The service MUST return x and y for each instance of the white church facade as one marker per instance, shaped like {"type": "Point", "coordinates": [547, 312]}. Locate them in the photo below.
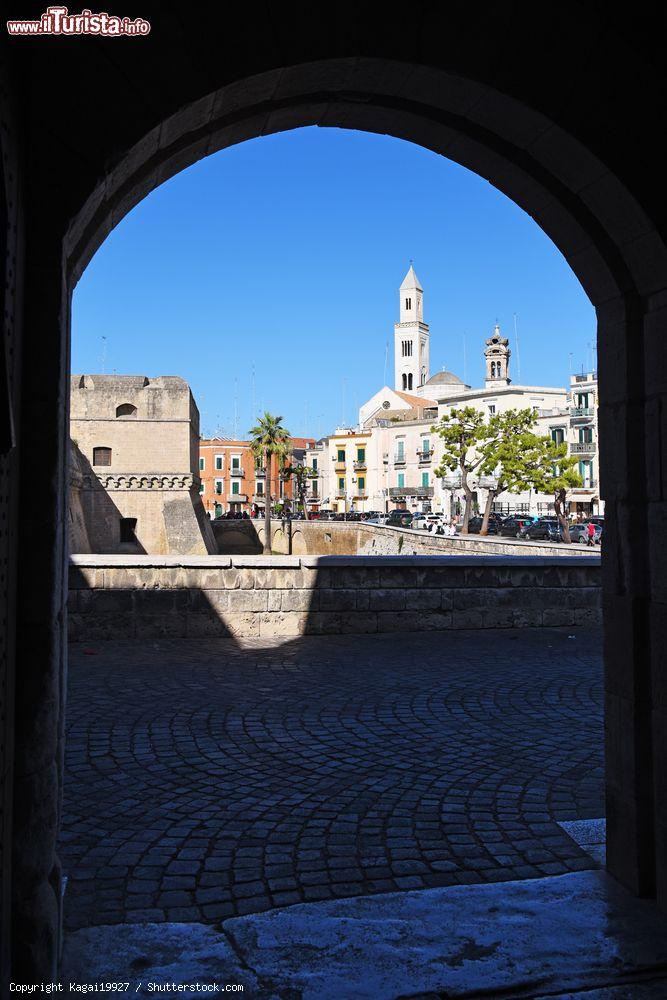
{"type": "Point", "coordinates": [389, 459]}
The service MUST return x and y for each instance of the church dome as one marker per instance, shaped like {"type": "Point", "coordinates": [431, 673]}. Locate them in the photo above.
{"type": "Point", "coordinates": [445, 378]}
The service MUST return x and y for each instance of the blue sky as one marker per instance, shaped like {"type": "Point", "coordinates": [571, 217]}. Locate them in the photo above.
{"type": "Point", "coordinates": [284, 255]}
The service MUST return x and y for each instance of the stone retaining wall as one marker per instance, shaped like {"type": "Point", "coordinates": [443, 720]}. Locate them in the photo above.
{"type": "Point", "coordinates": [339, 538]}
{"type": "Point", "coordinates": [144, 597]}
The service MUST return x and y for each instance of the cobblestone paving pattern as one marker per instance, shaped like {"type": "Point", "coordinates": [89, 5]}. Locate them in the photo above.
{"type": "Point", "coordinates": [207, 778]}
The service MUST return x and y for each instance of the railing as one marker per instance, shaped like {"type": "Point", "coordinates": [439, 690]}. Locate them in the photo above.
{"type": "Point", "coordinates": [340, 494]}
{"type": "Point", "coordinates": [583, 448]}
{"type": "Point", "coordinates": [237, 498]}
{"type": "Point", "coordinates": [399, 459]}
{"type": "Point", "coordinates": [260, 473]}
{"type": "Point", "coordinates": [590, 484]}
{"type": "Point", "coordinates": [359, 465]}
{"type": "Point", "coordinates": [411, 491]}
{"type": "Point", "coordinates": [339, 466]}
{"type": "Point", "coordinates": [582, 411]}
{"type": "Point", "coordinates": [237, 473]}
{"type": "Point", "coordinates": [361, 494]}
{"type": "Point", "coordinates": [424, 456]}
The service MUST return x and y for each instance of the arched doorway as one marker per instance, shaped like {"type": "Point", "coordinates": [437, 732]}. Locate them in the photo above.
{"type": "Point", "coordinates": [610, 243]}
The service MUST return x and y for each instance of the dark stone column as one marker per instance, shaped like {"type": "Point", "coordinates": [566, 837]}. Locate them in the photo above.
{"type": "Point", "coordinates": [41, 652]}
{"type": "Point", "coordinates": [626, 597]}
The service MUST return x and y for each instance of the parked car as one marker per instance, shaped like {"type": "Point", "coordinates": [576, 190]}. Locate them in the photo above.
{"type": "Point", "coordinates": [579, 533]}
{"type": "Point", "coordinates": [514, 527]}
{"type": "Point", "coordinates": [399, 519]}
{"type": "Point", "coordinates": [546, 529]}
{"type": "Point", "coordinates": [475, 524]}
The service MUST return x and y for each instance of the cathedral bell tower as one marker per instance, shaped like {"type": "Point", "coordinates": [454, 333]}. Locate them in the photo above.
{"type": "Point", "coordinates": [497, 356]}
{"type": "Point", "coordinates": [411, 337]}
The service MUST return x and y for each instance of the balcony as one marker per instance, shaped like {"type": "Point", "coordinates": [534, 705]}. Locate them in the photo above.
{"type": "Point", "coordinates": [583, 448]}
{"type": "Point", "coordinates": [577, 412]}
{"type": "Point", "coordinates": [237, 498]}
{"type": "Point", "coordinates": [399, 459]}
{"type": "Point", "coordinates": [340, 494]}
{"type": "Point", "coordinates": [420, 492]}
{"type": "Point", "coordinates": [339, 466]}
{"type": "Point", "coordinates": [237, 473]}
{"type": "Point", "coordinates": [260, 473]}
{"type": "Point", "coordinates": [424, 457]}
{"type": "Point", "coordinates": [359, 465]}
{"type": "Point", "coordinates": [258, 497]}
{"type": "Point", "coordinates": [587, 487]}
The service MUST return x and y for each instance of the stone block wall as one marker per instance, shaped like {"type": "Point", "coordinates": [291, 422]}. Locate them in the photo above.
{"type": "Point", "coordinates": [145, 597]}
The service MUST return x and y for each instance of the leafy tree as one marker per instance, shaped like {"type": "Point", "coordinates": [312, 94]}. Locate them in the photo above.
{"type": "Point", "coordinates": [463, 433]}
{"type": "Point", "coordinates": [300, 474]}
{"type": "Point", "coordinates": [519, 459]}
{"type": "Point", "coordinates": [268, 439]}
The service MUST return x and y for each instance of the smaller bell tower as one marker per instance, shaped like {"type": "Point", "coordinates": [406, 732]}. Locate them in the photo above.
{"type": "Point", "coordinates": [497, 356]}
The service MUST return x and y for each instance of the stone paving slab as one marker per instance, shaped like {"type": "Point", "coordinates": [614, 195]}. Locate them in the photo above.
{"type": "Point", "coordinates": [209, 779]}
{"type": "Point", "coordinates": [533, 938]}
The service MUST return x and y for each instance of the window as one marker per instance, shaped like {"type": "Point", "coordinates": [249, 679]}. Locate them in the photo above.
{"type": "Point", "coordinates": [401, 479]}
{"type": "Point", "coordinates": [127, 528]}
{"type": "Point", "coordinates": [424, 478]}
{"type": "Point", "coordinates": [405, 381]}
{"type": "Point", "coordinates": [400, 449]}
{"type": "Point", "coordinates": [236, 486]}
{"type": "Point", "coordinates": [126, 410]}
{"type": "Point", "coordinates": [218, 462]}
{"type": "Point", "coordinates": [361, 454]}
{"type": "Point", "coordinates": [585, 435]}
{"type": "Point", "coordinates": [313, 487]}
{"type": "Point", "coordinates": [426, 446]}
{"type": "Point", "coordinates": [218, 486]}
{"type": "Point", "coordinates": [410, 381]}
{"type": "Point", "coordinates": [314, 465]}
{"type": "Point", "coordinates": [362, 483]}
{"type": "Point", "coordinates": [259, 487]}
{"type": "Point", "coordinates": [101, 456]}
{"type": "Point", "coordinates": [218, 509]}
{"type": "Point", "coordinates": [201, 489]}
{"type": "Point", "coordinates": [408, 303]}
{"type": "Point", "coordinates": [341, 455]}
{"type": "Point", "coordinates": [202, 464]}
{"type": "Point", "coordinates": [492, 408]}
{"type": "Point", "coordinates": [236, 461]}
{"type": "Point", "coordinates": [341, 485]}
{"type": "Point", "coordinates": [557, 435]}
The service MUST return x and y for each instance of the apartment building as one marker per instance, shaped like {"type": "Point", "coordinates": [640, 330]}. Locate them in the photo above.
{"type": "Point", "coordinates": [232, 480]}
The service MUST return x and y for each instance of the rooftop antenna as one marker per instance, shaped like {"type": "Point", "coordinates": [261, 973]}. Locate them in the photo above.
{"type": "Point", "coordinates": [103, 358]}
{"type": "Point", "coordinates": [518, 352]}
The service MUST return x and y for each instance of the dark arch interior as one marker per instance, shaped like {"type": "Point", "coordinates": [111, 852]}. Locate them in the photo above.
{"type": "Point", "coordinates": [545, 131]}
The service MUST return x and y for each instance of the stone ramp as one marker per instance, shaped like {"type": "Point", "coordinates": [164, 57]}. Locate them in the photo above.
{"type": "Point", "coordinates": [542, 937]}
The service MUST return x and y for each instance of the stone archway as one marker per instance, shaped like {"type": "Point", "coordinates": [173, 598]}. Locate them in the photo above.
{"type": "Point", "coordinates": [610, 242]}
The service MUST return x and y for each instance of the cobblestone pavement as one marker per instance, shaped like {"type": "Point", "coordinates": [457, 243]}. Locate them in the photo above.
{"type": "Point", "coordinates": [207, 778]}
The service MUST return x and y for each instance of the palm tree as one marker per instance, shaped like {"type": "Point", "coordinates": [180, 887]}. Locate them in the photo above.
{"type": "Point", "coordinates": [269, 438]}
